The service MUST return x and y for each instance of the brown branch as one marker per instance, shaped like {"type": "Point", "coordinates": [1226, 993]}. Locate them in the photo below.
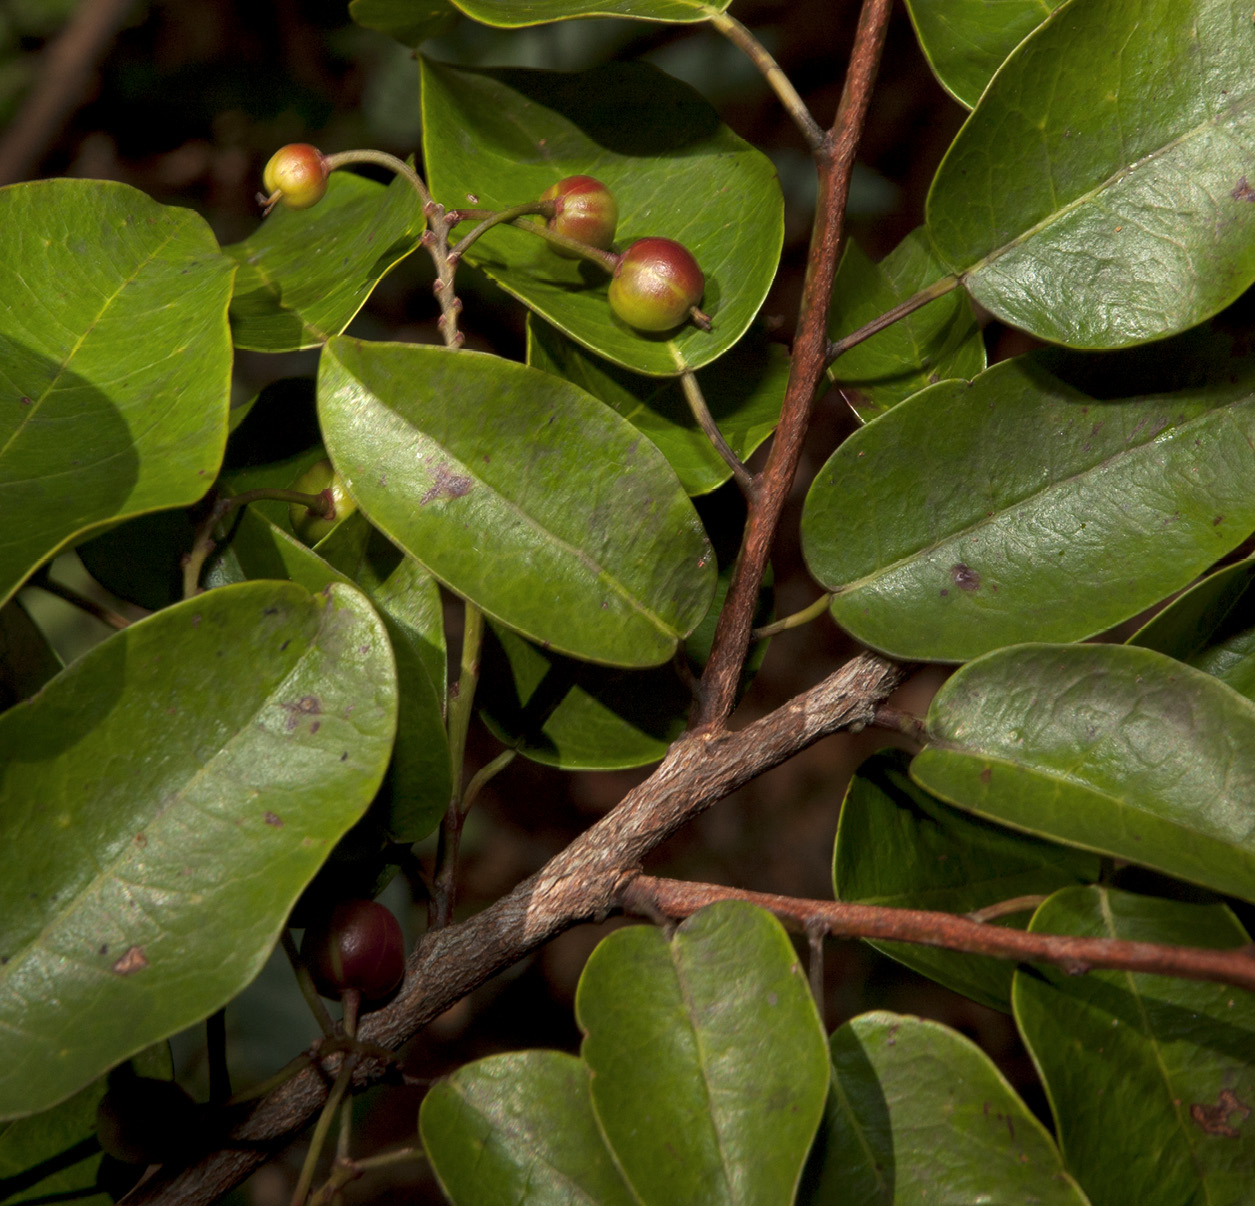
{"type": "Point", "coordinates": [835, 164]}
{"type": "Point", "coordinates": [580, 884]}
{"type": "Point", "coordinates": [674, 898]}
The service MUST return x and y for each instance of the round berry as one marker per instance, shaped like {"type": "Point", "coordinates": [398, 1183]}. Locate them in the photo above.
{"type": "Point", "coordinates": [298, 175]}
{"type": "Point", "coordinates": [585, 210]}
{"type": "Point", "coordinates": [357, 945]}
{"type": "Point", "coordinates": [142, 1120]}
{"type": "Point", "coordinates": [320, 478]}
{"type": "Point", "coordinates": [656, 284]}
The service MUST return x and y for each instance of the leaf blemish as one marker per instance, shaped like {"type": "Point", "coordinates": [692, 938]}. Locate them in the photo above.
{"type": "Point", "coordinates": [273, 819]}
{"type": "Point", "coordinates": [964, 577]}
{"type": "Point", "coordinates": [446, 484]}
{"type": "Point", "coordinates": [134, 960]}
{"type": "Point", "coordinates": [1243, 191]}
{"type": "Point", "coordinates": [308, 705]}
{"type": "Point", "coordinates": [1215, 1119]}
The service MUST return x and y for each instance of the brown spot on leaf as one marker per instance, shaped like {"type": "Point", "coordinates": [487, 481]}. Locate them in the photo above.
{"type": "Point", "coordinates": [964, 577]}
{"type": "Point", "coordinates": [1216, 1119]}
{"type": "Point", "coordinates": [307, 705]}
{"type": "Point", "coordinates": [1215, 523]}
{"type": "Point", "coordinates": [25, 401]}
{"type": "Point", "coordinates": [986, 774]}
{"type": "Point", "coordinates": [1243, 191]}
{"type": "Point", "coordinates": [446, 484]}
{"type": "Point", "coordinates": [134, 960]}
{"type": "Point", "coordinates": [273, 818]}
{"type": "Point", "coordinates": [141, 839]}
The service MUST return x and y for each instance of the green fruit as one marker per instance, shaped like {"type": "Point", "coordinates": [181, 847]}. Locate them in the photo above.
{"type": "Point", "coordinates": [656, 284]}
{"type": "Point", "coordinates": [320, 478]}
{"type": "Point", "coordinates": [141, 1120]}
{"type": "Point", "coordinates": [586, 211]}
{"type": "Point", "coordinates": [296, 176]}
{"type": "Point", "coordinates": [357, 945]}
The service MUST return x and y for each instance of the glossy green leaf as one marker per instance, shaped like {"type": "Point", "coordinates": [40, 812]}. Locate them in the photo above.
{"type": "Point", "coordinates": [966, 41]}
{"type": "Point", "coordinates": [1109, 747]}
{"type": "Point", "coordinates": [744, 391]}
{"type": "Point", "coordinates": [708, 1086]}
{"type": "Point", "coordinates": [1151, 1079]}
{"type": "Point", "coordinates": [411, 22]}
{"type": "Point", "coordinates": [305, 273]}
{"type": "Point", "coordinates": [53, 1156]}
{"type": "Point", "coordinates": [1211, 627]}
{"type": "Point", "coordinates": [1020, 508]}
{"type": "Point", "coordinates": [899, 846]}
{"type": "Point", "coordinates": [1098, 194]}
{"type": "Point", "coordinates": [199, 764]}
{"type": "Point", "coordinates": [918, 1113]}
{"type": "Point", "coordinates": [939, 341]}
{"type": "Point", "coordinates": [513, 13]}
{"type": "Point", "coordinates": [419, 782]}
{"type": "Point", "coordinates": [519, 1129]}
{"type": "Point", "coordinates": [675, 171]}
{"type": "Point", "coordinates": [114, 363]}
{"type": "Point", "coordinates": [521, 493]}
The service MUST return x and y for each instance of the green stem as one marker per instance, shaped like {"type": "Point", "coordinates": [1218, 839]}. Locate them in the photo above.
{"type": "Point", "coordinates": [838, 347]}
{"type": "Point", "coordinates": [319, 1137]}
{"type": "Point", "coordinates": [45, 582]}
{"type": "Point", "coordinates": [705, 420]}
{"type": "Point", "coordinates": [383, 159]}
{"type": "Point", "coordinates": [481, 778]}
{"type": "Point", "coordinates": [773, 73]}
{"type": "Point", "coordinates": [306, 982]}
{"type": "Point", "coordinates": [796, 620]}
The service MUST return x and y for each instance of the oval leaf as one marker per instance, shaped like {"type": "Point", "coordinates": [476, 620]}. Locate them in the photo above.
{"type": "Point", "coordinates": [116, 360]}
{"type": "Point", "coordinates": [305, 273]}
{"type": "Point", "coordinates": [1089, 228]}
{"type": "Point", "coordinates": [744, 391]}
{"type": "Point", "coordinates": [1019, 508]}
{"type": "Point", "coordinates": [521, 493]}
{"type": "Point", "coordinates": [918, 1113]}
{"type": "Point", "coordinates": [708, 1087]}
{"type": "Point", "coordinates": [513, 13]}
{"type": "Point", "coordinates": [966, 41]}
{"type": "Point", "coordinates": [1137, 1064]}
{"type": "Point", "coordinates": [901, 847]}
{"type": "Point", "coordinates": [1112, 748]}
{"type": "Point", "coordinates": [519, 1130]}
{"type": "Point", "coordinates": [940, 340]}
{"type": "Point", "coordinates": [675, 171]}
{"type": "Point", "coordinates": [201, 763]}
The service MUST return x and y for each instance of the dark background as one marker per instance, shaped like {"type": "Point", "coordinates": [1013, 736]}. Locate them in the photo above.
{"type": "Point", "coordinates": [186, 100]}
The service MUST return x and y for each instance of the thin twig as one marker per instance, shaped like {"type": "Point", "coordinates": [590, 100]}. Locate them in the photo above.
{"type": "Point", "coordinates": [705, 420]}
{"type": "Point", "coordinates": [835, 163]}
{"type": "Point", "coordinates": [1234, 966]}
{"type": "Point", "coordinates": [811, 612]}
{"type": "Point", "coordinates": [106, 615]}
{"type": "Point", "coordinates": [306, 984]}
{"type": "Point", "coordinates": [917, 301]}
{"type": "Point", "coordinates": [1007, 908]}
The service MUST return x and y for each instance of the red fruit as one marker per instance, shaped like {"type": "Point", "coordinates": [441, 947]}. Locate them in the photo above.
{"type": "Point", "coordinates": [586, 210]}
{"type": "Point", "coordinates": [656, 284]}
{"type": "Point", "coordinates": [298, 174]}
{"type": "Point", "coordinates": [358, 945]}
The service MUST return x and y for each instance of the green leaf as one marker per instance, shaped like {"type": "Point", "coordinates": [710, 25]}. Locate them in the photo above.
{"type": "Point", "coordinates": [966, 41]}
{"type": "Point", "coordinates": [918, 1113]}
{"type": "Point", "coordinates": [519, 1129]}
{"type": "Point", "coordinates": [140, 560]}
{"type": "Point", "coordinates": [521, 493]}
{"type": "Point", "coordinates": [114, 363]}
{"type": "Point", "coordinates": [899, 846]}
{"type": "Point", "coordinates": [1018, 508]}
{"type": "Point", "coordinates": [304, 274]}
{"type": "Point", "coordinates": [1151, 1079]}
{"type": "Point", "coordinates": [1085, 225]}
{"type": "Point", "coordinates": [675, 171]}
{"type": "Point", "coordinates": [411, 22]}
{"type": "Point", "coordinates": [200, 764]}
{"type": "Point", "coordinates": [940, 340]}
{"type": "Point", "coordinates": [1108, 747]}
{"type": "Point", "coordinates": [419, 782]}
{"type": "Point", "coordinates": [513, 13]}
{"type": "Point", "coordinates": [53, 1155]}
{"type": "Point", "coordinates": [1211, 627]}
{"type": "Point", "coordinates": [708, 1086]}
{"type": "Point", "coordinates": [744, 392]}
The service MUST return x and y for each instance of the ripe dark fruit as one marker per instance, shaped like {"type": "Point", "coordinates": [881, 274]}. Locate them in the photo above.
{"type": "Point", "coordinates": [320, 478]}
{"type": "Point", "coordinates": [296, 176]}
{"type": "Point", "coordinates": [141, 1120]}
{"type": "Point", "coordinates": [656, 284]}
{"type": "Point", "coordinates": [358, 945]}
{"type": "Point", "coordinates": [586, 210]}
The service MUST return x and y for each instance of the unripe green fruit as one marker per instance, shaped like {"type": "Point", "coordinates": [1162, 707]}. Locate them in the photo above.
{"type": "Point", "coordinates": [320, 478]}
{"type": "Point", "coordinates": [586, 211]}
{"type": "Point", "coordinates": [358, 945]}
{"type": "Point", "coordinates": [142, 1120]}
{"type": "Point", "coordinates": [298, 174]}
{"type": "Point", "coordinates": [656, 284]}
